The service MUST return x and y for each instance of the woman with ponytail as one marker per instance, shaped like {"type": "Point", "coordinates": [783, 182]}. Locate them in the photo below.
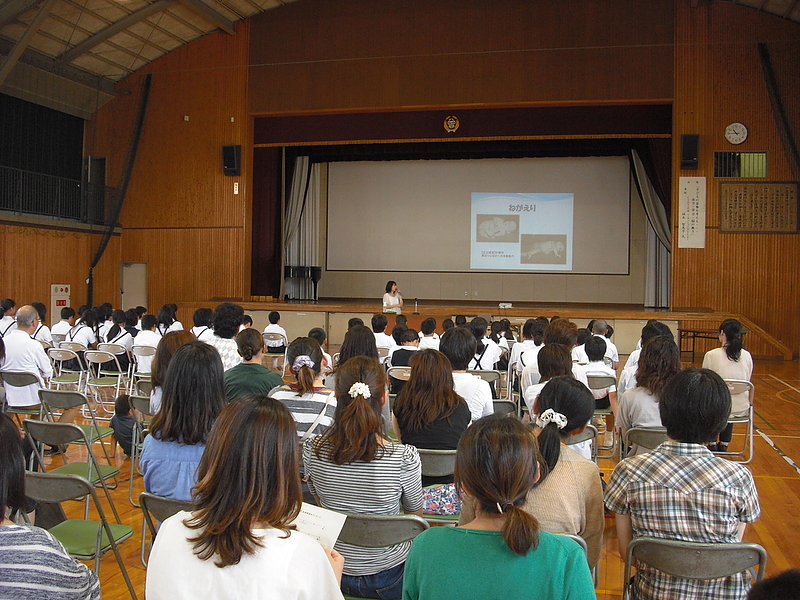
{"type": "Point", "coordinates": [355, 468]}
{"type": "Point", "coordinates": [250, 376]}
{"type": "Point", "coordinates": [730, 361]}
{"type": "Point", "coordinates": [497, 464]}
{"type": "Point", "coordinates": [569, 495]}
{"type": "Point", "coordinates": [312, 405]}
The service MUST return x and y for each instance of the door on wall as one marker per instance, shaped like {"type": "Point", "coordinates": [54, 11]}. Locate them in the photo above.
{"type": "Point", "coordinates": [133, 291]}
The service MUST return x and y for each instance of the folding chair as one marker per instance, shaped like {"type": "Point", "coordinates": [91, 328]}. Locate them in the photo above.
{"type": "Point", "coordinates": [582, 543]}
{"type": "Point", "coordinates": [99, 379]}
{"type": "Point", "coordinates": [491, 377]}
{"type": "Point", "coordinates": [438, 463]}
{"type": "Point", "coordinates": [505, 407]}
{"type": "Point", "coordinates": [142, 414]}
{"type": "Point", "coordinates": [64, 400]}
{"type": "Point", "coordinates": [275, 359]}
{"type": "Point", "coordinates": [83, 539]}
{"type": "Point", "coordinates": [589, 433]}
{"type": "Point", "coordinates": [118, 350]}
{"type": "Point", "coordinates": [156, 509]}
{"type": "Point", "coordinates": [59, 434]}
{"type": "Point", "coordinates": [401, 373]}
{"type": "Point", "coordinates": [58, 338]}
{"type": "Point", "coordinates": [74, 346]}
{"type": "Point", "coordinates": [598, 382]}
{"type": "Point", "coordinates": [21, 379]}
{"type": "Point", "coordinates": [66, 375]}
{"type": "Point", "coordinates": [380, 531]}
{"type": "Point", "coordinates": [741, 386]}
{"type": "Point", "coordinates": [644, 437]}
{"type": "Point", "coordinates": [692, 560]}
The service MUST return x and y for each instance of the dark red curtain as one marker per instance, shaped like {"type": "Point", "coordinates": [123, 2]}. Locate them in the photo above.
{"type": "Point", "coordinates": [266, 269]}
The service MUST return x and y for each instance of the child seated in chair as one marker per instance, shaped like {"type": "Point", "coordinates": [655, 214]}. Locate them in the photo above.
{"type": "Point", "coordinates": [122, 423]}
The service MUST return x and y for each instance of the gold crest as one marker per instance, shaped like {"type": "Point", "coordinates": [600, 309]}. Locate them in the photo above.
{"type": "Point", "coordinates": [451, 124]}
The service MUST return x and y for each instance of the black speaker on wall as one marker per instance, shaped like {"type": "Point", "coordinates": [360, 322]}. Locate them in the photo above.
{"type": "Point", "coordinates": [689, 150]}
{"type": "Point", "coordinates": [232, 160]}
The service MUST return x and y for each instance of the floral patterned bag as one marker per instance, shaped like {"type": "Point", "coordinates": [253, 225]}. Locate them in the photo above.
{"type": "Point", "coordinates": [441, 499]}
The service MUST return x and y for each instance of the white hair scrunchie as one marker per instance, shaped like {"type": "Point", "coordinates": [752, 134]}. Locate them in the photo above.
{"type": "Point", "coordinates": [359, 389]}
{"type": "Point", "coordinates": [551, 416]}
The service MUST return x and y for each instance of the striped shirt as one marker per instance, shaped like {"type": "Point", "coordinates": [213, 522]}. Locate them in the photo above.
{"type": "Point", "coordinates": [382, 486]}
{"type": "Point", "coordinates": [683, 492]}
{"type": "Point", "coordinates": [306, 408]}
{"type": "Point", "coordinates": [35, 566]}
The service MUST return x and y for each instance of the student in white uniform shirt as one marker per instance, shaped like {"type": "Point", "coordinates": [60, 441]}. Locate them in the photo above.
{"type": "Point", "coordinates": [382, 339]}
{"type": "Point", "coordinates": [559, 331]}
{"type": "Point", "coordinates": [527, 355]}
{"type": "Point", "coordinates": [427, 335]}
{"type": "Point", "coordinates": [66, 323]}
{"type": "Point", "coordinates": [276, 346]}
{"type": "Point", "coordinates": [85, 331]}
{"type": "Point", "coordinates": [42, 333]}
{"type": "Point", "coordinates": [487, 352]}
{"type": "Point", "coordinates": [202, 324]}
{"type": "Point", "coordinates": [147, 337]}
{"type": "Point", "coordinates": [168, 319]}
{"type": "Point", "coordinates": [7, 322]}
{"type": "Point", "coordinates": [650, 330]}
{"type": "Point", "coordinates": [24, 354]}
{"type": "Point", "coordinates": [458, 345]}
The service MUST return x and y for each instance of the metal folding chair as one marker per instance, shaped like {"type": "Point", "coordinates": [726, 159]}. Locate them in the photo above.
{"type": "Point", "coordinates": [741, 386]}
{"type": "Point", "coordinates": [142, 414]}
{"type": "Point", "coordinates": [505, 407]}
{"type": "Point", "coordinates": [100, 379]}
{"type": "Point", "coordinates": [64, 400]}
{"type": "Point", "coordinates": [644, 437]}
{"type": "Point", "coordinates": [83, 539]}
{"type": "Point", "coordinates": [156, 509]}
{"type": "Point", "coordinates": [691, 560]}
{"type": "Point", "coordinates": [438, 463]}
{"type": "Point", "coordinates": [598, 382]}
{"type": "Point", "coordinates": [589, 433]}
{"type": "Point", "coordinates": [21, 379]}
{"type": "Point", "coordinates": [64, 375]}
{"type": "Point", "coordinates": [139, 352]}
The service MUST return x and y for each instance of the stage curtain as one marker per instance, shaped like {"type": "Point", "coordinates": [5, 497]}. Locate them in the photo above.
{"type": "Point", "coordinates": [301, 227]}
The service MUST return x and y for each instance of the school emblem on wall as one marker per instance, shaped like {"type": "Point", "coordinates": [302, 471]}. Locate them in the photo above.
{"type": "Point", "coordinates": [451, 124]}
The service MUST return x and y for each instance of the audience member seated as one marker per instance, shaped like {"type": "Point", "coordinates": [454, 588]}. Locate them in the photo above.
{"type": "Point", "coordinates": [141, 311]}
{"type": "Point", "coordinates": [66, 322]}
{"type": "Point", "coordinates": [681, 491]}
{"type": "Point", "coordinates": [42, 333]}
{"type": "Point", "coordinates": [638, 407]}
{"type": "Point", "coordinates": [428, 338]}
{"type": "Point", "coordinates": [501, 553]}
{"type": "Point", "coordinates": [123, 423]}
{"type": "Point", "coordinates": [354, 322]}
{"type": "Point", "coordinates": [554, 361]}
{"type": "Point", "coordinates": [247, 322]}
{"type": "Point", "coordinates": [194, 395]}
{"type": "Point", "coordinates": [783, 586]}
{"type": "Point", "coordinates": [117, 334]}
{"type": "Point", "coordinates": [528, 356]}
{"type": "Point", "coordinates": [147, 337]}
{"type": "Point", "coordinates": [496, 335]}
{"type": "Point", "coordinates": [559, 331]}
{"type": "Point", "coordinates": [226, 320]}
{"type": "Point", "coordinates": [569, 496]}
{"type": "Point", "coordinates": [428, 413]}
{"type": "Point", "coordinates": [167, 319]}
{"type": "Point", "coordinates": [730, 361]}
{"type": "Point", "coordinates": [131, 320]}
{"type": "Point", "coordinates": [276, 346]}
{"type": "Point", "coordinates": [84, 332]}
{"type": "Point", "coordinates": [653, 328]}
{"type": "Point", "coordinates": [239, 542]}
{"type": "Point", "coordinates": [318, 334]}
{"type": "Point", "coordinates": [447, 324]}
{"type": "Point", "coordinates": [35, 565]}
{"type": "Point", "coordinates": [487, 352]}
{"type": "Point", "coordinates": [7, 322]}
{"type": "Point", "coordinates": [458, 345]}
{"type": "Point", "coordinates": [202, 324]}
{"type": "Point", "coordinates": [606, 397]}
{"type": "Point", "coordinates": [355, 468]}
{"type": "Point", "coordinates": [250, 377]}
{"type": "Point", "coordinates": [401, 357]}
{"type": "Point", "coordinates": [24, 354]}
{"type": "Point", "coordinates": [382, 339]}
{"type": "Point", "coordinates": [525, 344]}
{"type": "Point", "coordinates": [166, 349]}
{"type": "Point", "coordinates": [312, 405]}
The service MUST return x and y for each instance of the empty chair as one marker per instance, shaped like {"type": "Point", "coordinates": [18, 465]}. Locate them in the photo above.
{"type": "Point", "coordinates": [83, 539]}
{"type": "Point", "coordinates": [504, 407]}
{"type": "Point", "coordinates": [99, 378]}
{"type": "Point", "coordinates": [69, 401]}
{"type": "Point", "coordinates": [741, 386]}
{"type": "Point", "coordinates": [691, 560]}
{"type": "Point", "coordinates": [68, 368]}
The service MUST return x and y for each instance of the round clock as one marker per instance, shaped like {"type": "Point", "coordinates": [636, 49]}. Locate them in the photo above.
{"type": "Point", "coordinates": [736, 133]}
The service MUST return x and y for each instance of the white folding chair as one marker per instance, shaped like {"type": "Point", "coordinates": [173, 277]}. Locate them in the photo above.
{"type": "Point", "coordinates": [599, 382]}
{"type": "Point", "coordinates": [742, 386]}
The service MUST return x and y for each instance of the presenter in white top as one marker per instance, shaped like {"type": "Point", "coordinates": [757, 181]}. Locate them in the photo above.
{"type": "Point", "coordinates": [392, 299]}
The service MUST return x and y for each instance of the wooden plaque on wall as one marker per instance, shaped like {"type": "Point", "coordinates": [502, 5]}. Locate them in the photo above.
{"type": "Point", "coordinates": [763, 207]}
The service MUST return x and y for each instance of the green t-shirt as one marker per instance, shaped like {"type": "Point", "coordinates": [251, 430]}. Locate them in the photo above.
{"type": "Point", "coordinates": [252, 378]}
{"type": "Point", "coordinates": [447, 562]}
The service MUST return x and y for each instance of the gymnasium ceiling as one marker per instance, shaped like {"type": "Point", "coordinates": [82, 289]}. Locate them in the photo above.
{"type": "Point", "coordinates": [68, 54]}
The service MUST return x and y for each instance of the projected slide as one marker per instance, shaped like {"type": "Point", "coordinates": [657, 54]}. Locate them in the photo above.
{"type": "Point", "coordinates": [521, 232]}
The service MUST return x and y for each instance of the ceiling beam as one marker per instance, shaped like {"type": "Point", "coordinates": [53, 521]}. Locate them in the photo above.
{"type": "Point", "coordinates": [11, 9]}
{"type": "Point", "coordinates": [40, 61]}
{"type": "Point", "coordinates": [209, 14]}
{"type": "Point", "coordinates": [112, 30]}
{"type": "Point", "coordinates": [790, 9]}
{"type": "Point", "coordinates": [12, 57]}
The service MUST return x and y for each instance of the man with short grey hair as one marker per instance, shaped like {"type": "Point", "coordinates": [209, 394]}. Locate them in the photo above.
{"type": "Point", "coordinates": [25, 354]}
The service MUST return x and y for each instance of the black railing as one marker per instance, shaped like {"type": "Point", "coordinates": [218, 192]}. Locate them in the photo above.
{"type": "Point", "coordinates": [28, 193]}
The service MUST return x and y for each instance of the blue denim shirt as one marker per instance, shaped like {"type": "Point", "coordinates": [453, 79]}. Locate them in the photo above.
{"type": "Point", "coordinates": [170, 468]}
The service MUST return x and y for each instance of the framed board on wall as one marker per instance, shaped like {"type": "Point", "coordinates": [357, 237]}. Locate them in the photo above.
{"type": "Point", "coordinates": [764, 207]}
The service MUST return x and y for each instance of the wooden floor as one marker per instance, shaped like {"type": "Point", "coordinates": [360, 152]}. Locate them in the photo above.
{"type": "Point", "coordinates": [775, 466]}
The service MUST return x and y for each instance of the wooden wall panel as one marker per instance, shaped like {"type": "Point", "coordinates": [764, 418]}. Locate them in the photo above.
{"type": "Point", "coordinates": [719, 81]}
{"type": "Point", "coordinates": [33, 258]}
{"type": "Point", "coordinates": [326, 55]}
{"type": "Point", "coordinates": [178, 192]}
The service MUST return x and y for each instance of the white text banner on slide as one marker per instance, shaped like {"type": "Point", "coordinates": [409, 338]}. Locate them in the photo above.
{"type": "Point", "coordinates": [522, 231]}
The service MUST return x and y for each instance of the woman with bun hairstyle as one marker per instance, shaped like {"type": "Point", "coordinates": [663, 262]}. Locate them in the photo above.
{"type": "Point", "coordinates": [730, 361]}
{"type": "Point", "coordinates": [239, 543]}
{"type": "Point", "coordinates": [250, 376]}
{"type": "Point", "coordinates": [569, 495]}
{"type": "Point", "coordinates": [355, 468]}
{"type": "Point", "coordinates": [497, 464]}
{"type": "Point", "coordinates": [312, 405]}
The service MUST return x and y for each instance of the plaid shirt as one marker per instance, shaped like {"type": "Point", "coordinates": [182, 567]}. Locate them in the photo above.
{"type": "Point", "coordinates": [683, 492]}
